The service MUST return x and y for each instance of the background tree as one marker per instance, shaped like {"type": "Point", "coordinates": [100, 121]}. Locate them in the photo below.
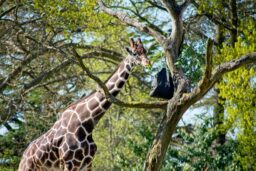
{"type": "Point", "coordinates": [199, 40]}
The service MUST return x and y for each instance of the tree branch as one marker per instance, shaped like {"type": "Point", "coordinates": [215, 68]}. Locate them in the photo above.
{"type": "Point", "coordinates": [212, 17]}
{"type": "Point", "coordinates": [179, 104]}
{"type": "Point", "coordinates": [45, 74]}
{"type": "Point", "coordinates": [173, 42]}
{"type": "Point", "coordinates": [137, 14]}
{"type": "Point", "coordinates": [100, 50]}
{"type": "Point", "coordinates": [184, 5]}
{"type": "Point", "coordinates": [57, 80]}
{"type": "Point", "coordinates": [154, 4]}
{"type": "Point", "coordinates": [4, 82]}
{"type": "Point", "coordinates": [232, 65]}
{"type": "Point", "coordinates": [234, 21]}
{"type": "Point", "coordinates": [111, 98]}
{"type": "Point", "coordinates": [208, 59]}
{"type": "Point", "coordinates": [206, 84]}
{"type": "Point", "coordinates": [133, 22]}
{"type": "Point", "coordinates": [7, 11]}
{"type": "Point", "coordinates": [171, 7]}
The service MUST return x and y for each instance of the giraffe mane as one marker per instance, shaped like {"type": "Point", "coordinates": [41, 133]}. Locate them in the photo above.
{"type": "Point", "coordinates": [113, 72]}
{"type": "Point", "coordinates": [83, 98]}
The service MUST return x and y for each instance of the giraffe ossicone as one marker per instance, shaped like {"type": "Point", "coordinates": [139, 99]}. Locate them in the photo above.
{"type": "Point", "coordinates": [69, 145]}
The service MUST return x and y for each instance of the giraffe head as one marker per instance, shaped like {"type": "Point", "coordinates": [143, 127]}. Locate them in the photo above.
{"type": "Point", "coordinates": [138, 53]}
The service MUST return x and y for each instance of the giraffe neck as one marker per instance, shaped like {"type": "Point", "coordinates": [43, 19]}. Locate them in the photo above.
{"type": "Point", "coordinates": [114, 84]}
{"type": "Point", "coordinates": [93, 107]}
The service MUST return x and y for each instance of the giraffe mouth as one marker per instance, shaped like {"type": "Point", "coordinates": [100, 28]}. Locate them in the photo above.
{"type": "Point", "coordinates": [146, 63]}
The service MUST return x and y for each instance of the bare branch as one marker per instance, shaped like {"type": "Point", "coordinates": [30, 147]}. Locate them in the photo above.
{"type": "Point", "coordinates": [178, 105]}
{"type": "Point", "coordinates": [171, 7]}
{"type": "Point", "coordinates": [137, 14]}
{"type": "Point", "coordinates": [7, 11]}
{"type": "Point", "coordinates": [88, 72]}
{"type": "Point", "coordinates": [173, 42]}
{"type": "Point", "coordinates": [212, 17]}
{"type": "Point", "coordinates": [22, 47]}
{"type": "Point", "coordinates": [15, 72]}
{"type": "Point", "coordinates": [101, 51]}
{"type": "Point", "coordinates": [234, 21]}
{"type": "Point", "coordinates": [184, 5]}
{"type": "Point", "coordinates": [232, 65]}
{"type": "Point", "coordinates": [45, 74]}
{"type": "Point", "coordinates": [57, 80]}
{"type": "Point", "coordinates": [208, 59]}
{"type": "Point", "coordinates": [133, 22]}
{"type": "Point", "coordinates": [154, 4]}
{"type": "Point", "coordinates": [207, 83]}
{"type": "Point", "coordinates": [111, 98]}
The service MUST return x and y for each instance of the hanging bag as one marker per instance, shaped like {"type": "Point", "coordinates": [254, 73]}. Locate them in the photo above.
{"type": "Point", "coordinates": [162, 85]}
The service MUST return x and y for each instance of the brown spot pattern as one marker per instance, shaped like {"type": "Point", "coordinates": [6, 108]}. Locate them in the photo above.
{"type": "Point", "coordinates": [70, 139]}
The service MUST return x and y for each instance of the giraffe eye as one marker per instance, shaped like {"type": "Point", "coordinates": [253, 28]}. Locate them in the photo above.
{"type": "Point", "coordinates": [135, 55]}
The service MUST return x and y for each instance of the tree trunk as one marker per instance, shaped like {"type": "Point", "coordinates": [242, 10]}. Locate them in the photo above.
{"type": "Point", "coordinates": [181, 101]}
{"type": "Point", "coordinates": [162, 140]}
{"type": "Point", "coordinates": [218, 115]}
{"type": "Point", "coordinates": [175, 110]}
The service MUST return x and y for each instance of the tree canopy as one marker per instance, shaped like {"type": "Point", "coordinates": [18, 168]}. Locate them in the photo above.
{"type": "Point", "coordinates": [208, 46]}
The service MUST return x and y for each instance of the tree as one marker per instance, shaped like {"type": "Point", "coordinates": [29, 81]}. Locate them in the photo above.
{"type": "Point", "coordinates": [39, 75]}
{"type": "Point", "coordinates": [193, 148]}
{"type": "Point", "coordinates": [171, 45]}
{"type": "Point", "coordinates": [41, 72]}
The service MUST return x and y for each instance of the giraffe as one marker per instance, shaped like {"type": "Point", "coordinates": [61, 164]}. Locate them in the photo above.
{"type": "Point", "coordinates": [69, 145]}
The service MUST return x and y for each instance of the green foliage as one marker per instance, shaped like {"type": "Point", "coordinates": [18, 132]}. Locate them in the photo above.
{"type": "Point", "coordinates": [124, 135]}
{"type": "Point", "coordinates": [212, 7]}
{"type": "Point", "coordinates": [11, 146]}
{"type": "Point", "coordinates": [199, 150]}
{"type": "Point", "coordinates": [79, 20]}
{"type": "Point", "coordinates": [239, 94]}
{"type": "Point", "coordinates": [191, 61]}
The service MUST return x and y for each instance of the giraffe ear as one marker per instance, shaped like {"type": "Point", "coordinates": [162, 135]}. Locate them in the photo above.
{"type": "Point", "coordinates": [139, 42]}
{"type": "Point", "coordinates": [132, 43]}
{"type": "Point", "coordinates": [129, 50]}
